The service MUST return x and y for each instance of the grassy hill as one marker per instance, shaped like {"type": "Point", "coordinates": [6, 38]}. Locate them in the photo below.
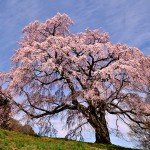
{"type": "Point", "coordinates": [10, 140]}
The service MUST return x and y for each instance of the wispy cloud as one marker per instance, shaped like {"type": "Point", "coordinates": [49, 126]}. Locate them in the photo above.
{"type": "Point", "coordinates": [14, 15]}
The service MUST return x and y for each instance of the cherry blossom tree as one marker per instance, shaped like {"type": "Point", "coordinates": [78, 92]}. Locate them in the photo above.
{"type": "Point", "coordinates": [82, 77]}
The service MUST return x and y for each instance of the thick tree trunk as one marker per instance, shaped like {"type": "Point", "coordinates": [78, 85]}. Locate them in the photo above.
{"type": "Point", "coordinates": [100, 126]}
{"type": "Point", "coordinates": [102, 135]}
{"type": "Point", "coordinates": [96, 118]}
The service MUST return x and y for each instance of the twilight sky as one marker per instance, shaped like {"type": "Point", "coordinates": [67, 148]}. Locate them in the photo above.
{"type": "Point", "coordinates": [126, 21]}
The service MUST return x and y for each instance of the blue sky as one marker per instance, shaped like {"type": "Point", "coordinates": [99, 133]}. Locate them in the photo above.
{"type": "Point", "coordinates": [126, 21]}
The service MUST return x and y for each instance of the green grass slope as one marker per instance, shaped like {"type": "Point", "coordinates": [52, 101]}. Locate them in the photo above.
{"type": "Point", "coordinates": [10, 140]}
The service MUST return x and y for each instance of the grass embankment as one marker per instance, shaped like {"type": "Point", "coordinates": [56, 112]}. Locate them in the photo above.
{"type": "Point", "coordinates": [10, 140]}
